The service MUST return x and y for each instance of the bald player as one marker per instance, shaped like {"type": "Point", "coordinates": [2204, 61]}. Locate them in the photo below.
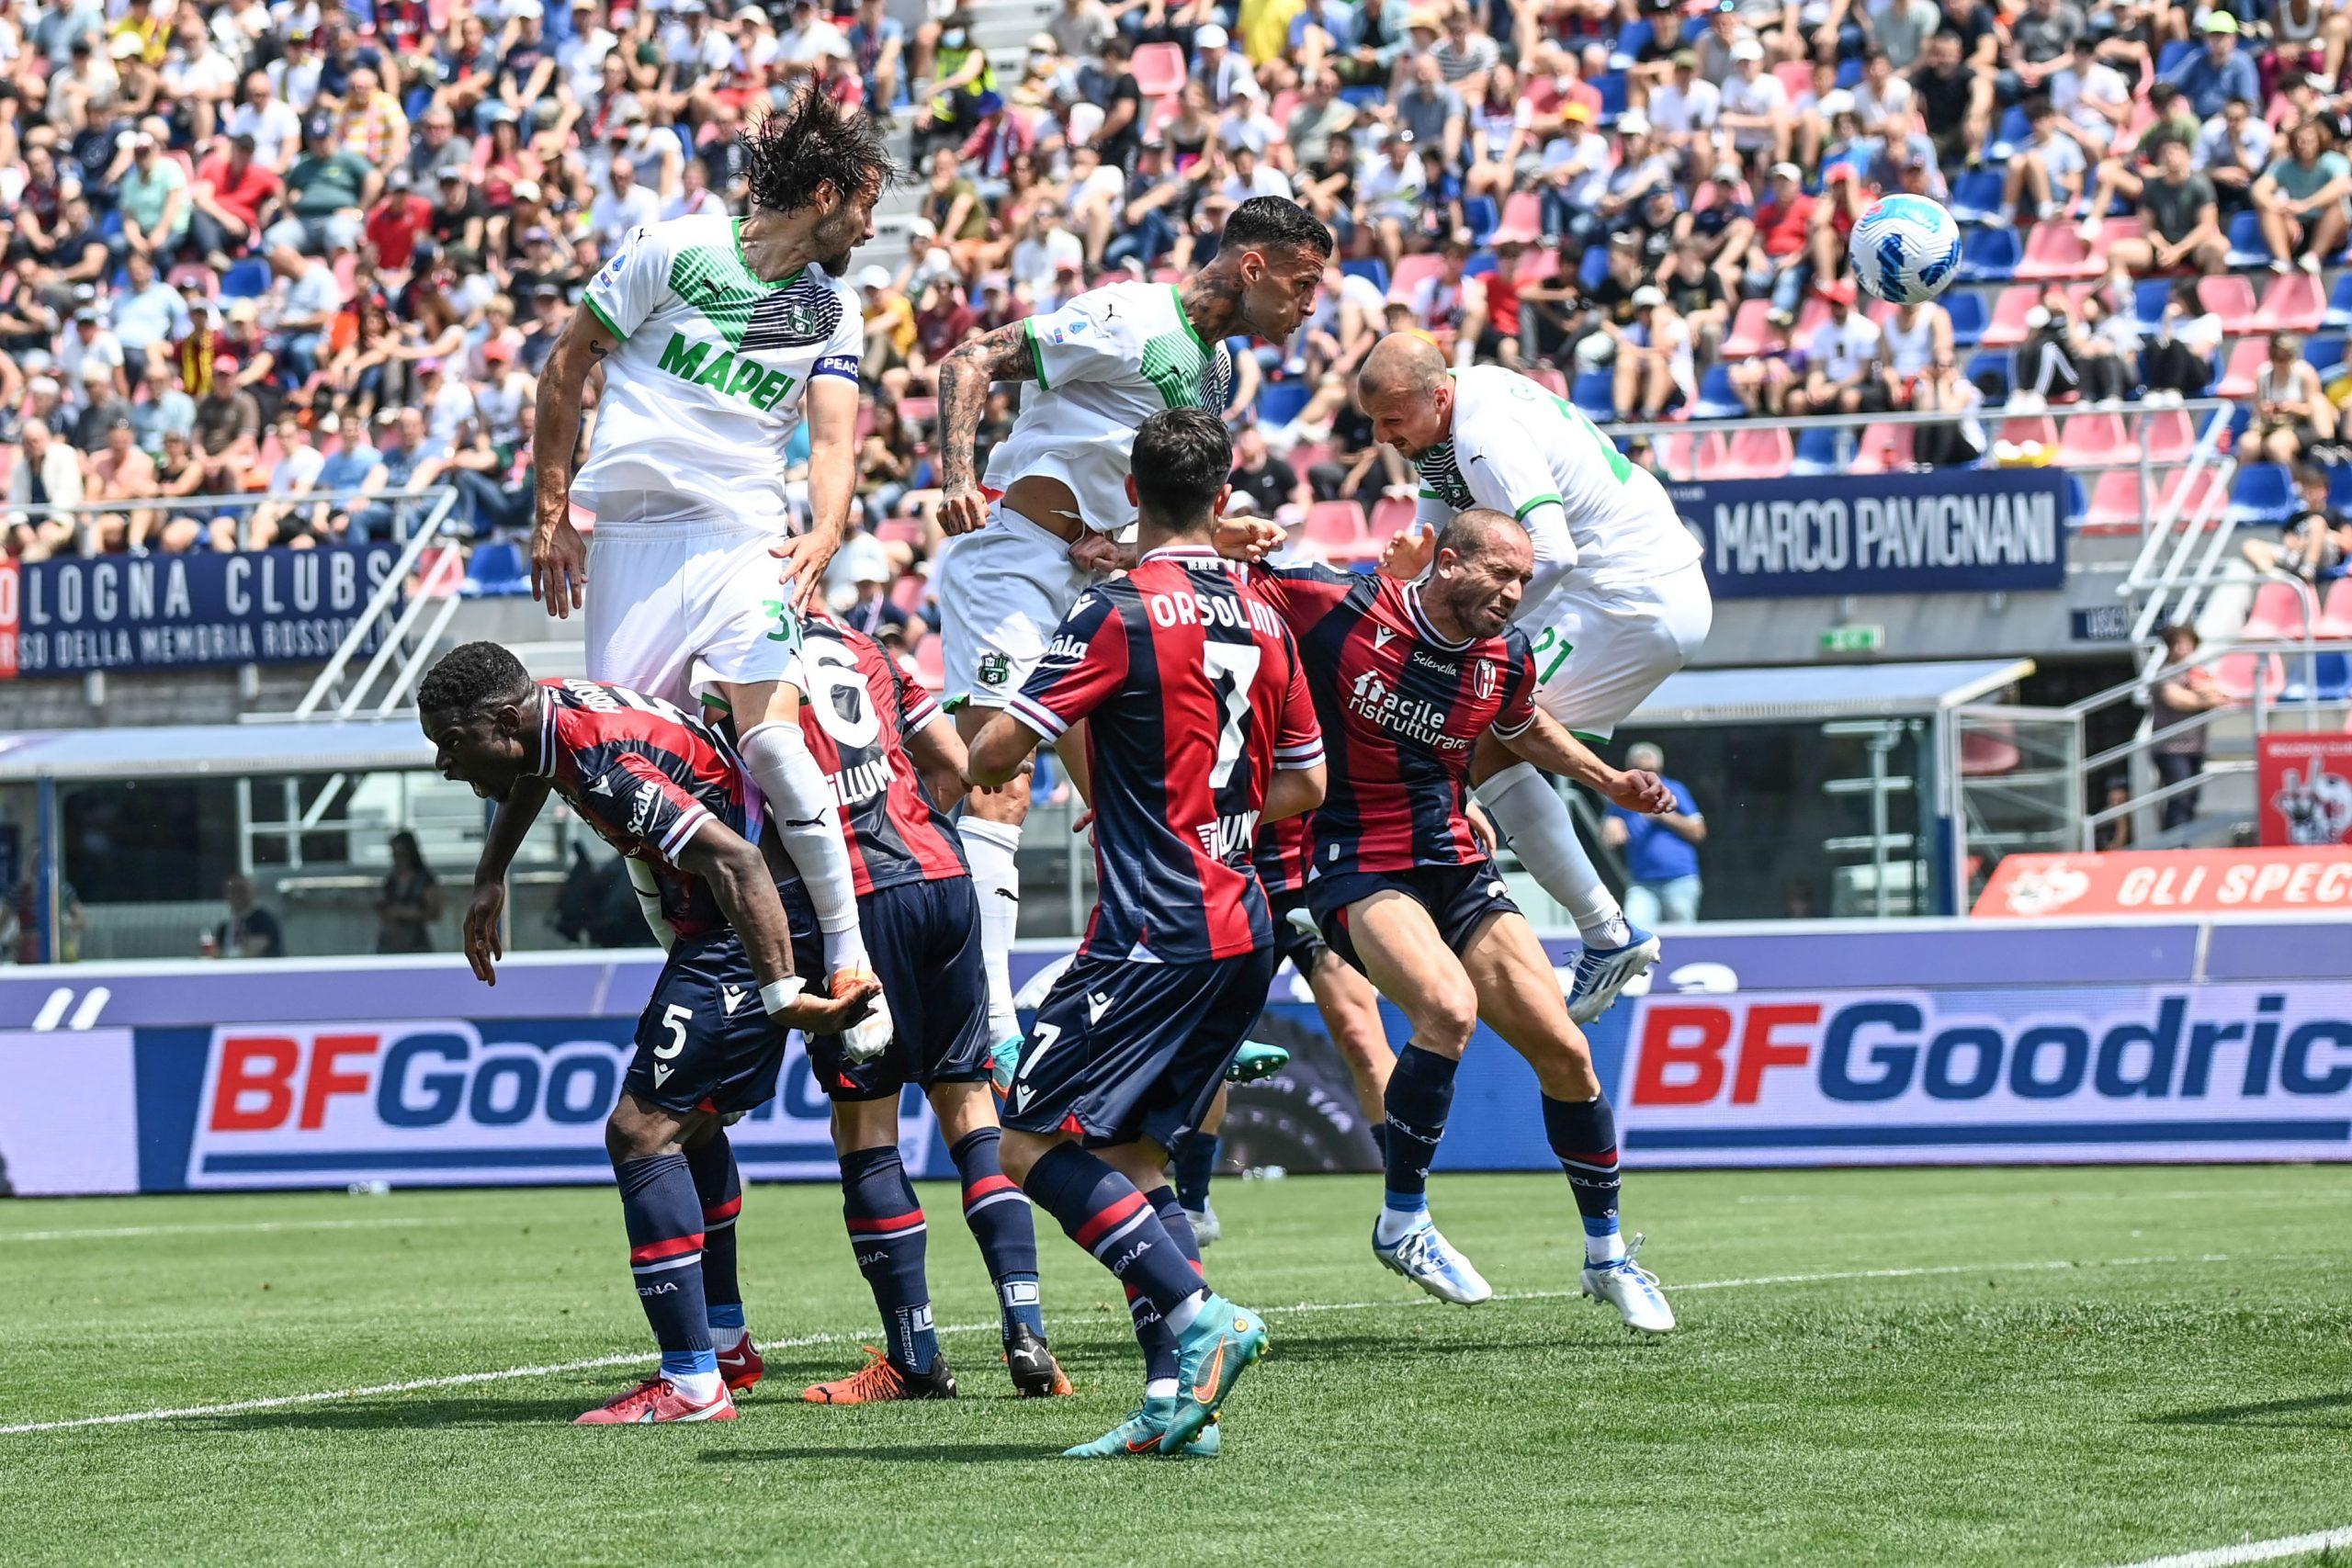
{"type": "Point", "coordinates": [1615, 603]}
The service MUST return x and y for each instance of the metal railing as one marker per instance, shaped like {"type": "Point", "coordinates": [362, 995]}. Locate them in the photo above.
{"type": "Point", "coordinates": [395, 640]}
{"type": "Point", "coordinates": [406, 507]}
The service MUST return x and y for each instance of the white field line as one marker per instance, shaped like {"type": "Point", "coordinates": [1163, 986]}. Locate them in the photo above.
{"type": "Point", "coordinates": [2313, 1193]}
{"type": "Point", "coordinates": [2255, 1550]}
{"type": "Point", "coordinates": [638, 1358]}
{"type": "Point", "coordinates": [116, 1233]}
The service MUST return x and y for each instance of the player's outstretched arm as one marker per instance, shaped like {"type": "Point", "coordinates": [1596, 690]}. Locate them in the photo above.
{"type": "Point", "coordinates": [738, 877]}
{"type": "Point", "coordinates": [1553, 749]}
{"type": "Point", "coordinates": [965, 376]}
{"type": "Point", "coordinates": [1000, 752]}
{"type": "Point", "coordinates": [487, 910]}
{"type": "Point", "coordinates": [559, 554]}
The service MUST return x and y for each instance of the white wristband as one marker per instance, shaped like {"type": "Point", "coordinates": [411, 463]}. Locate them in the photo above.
{"type": "Point", "coordinates": [778, 994]}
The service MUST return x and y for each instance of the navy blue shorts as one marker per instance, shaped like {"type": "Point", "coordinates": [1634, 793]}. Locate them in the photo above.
{"type": "Point", "coordinates": [1303, 948]}
{"type": "Point", "coordinates": [925, 938]}
{"type": "Point", "coordinates": [1122, 1051]}
{"type": "Point", "coordinates": [1460, 898]}
{"type": "Point", "coordinates": [704, 1042]}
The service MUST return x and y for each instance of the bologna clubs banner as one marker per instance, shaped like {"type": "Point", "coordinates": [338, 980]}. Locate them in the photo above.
{"type": "Point", "coordinates": [2169, 881]}
{"type": "Point", "coordinates": [1954, 531]}
{"type": "Point", "coordinates": [2305, 784]}
{"type": "Point", "coordinates": [82, 614]}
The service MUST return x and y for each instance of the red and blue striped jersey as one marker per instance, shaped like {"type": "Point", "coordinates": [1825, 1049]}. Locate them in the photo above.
{"type": "Point", "coordinates": [646, 776]}
{"type": "Point", "coordinates": [1194, 695]}
{"type": "Point", "coordinates": [859, 709]}
{"type": "Point", "coordinates": [1401, 707]}
{"type": "Point", "coordinates": [1284, 849]}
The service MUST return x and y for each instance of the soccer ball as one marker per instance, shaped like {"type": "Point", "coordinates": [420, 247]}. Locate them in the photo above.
{"type": "Point", "coordinates": [1905, 248]}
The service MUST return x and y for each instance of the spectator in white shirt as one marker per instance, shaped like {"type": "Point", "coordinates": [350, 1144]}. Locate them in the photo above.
{"type": "Point", "coordinates": [276, 130]}
{"type": "Point", "coordinates": [1682, 109]}
{"type": "Point", "coordinates": [625, 205]}
{"type": "Point", "coordinates": [1880, 93]}
{"type": "Point", "coordinates": [2233, 150]}
{"type": "Point", "coordinates": [1841, 360]}
{"type": "Point", "coordinates": [2095, 97]}
{"type": "Point", "coordinates": [1250, 177]}
{"type": "Point", "coordinates": [1755, 103]}
{"type": "Point", "coordinates": [1045, 248]}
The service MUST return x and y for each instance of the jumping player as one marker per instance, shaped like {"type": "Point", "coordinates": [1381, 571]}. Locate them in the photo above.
{"type": "Point", "coordinates": [1407, 679]}
{"type": "Point", "coordinates": [1618, 601]}
{"type": "Point", "coordinates": [715, 336]}
{"type": "Point", "coordinates": [666, 792]}
{"type": "Point", "coordinates": [880, 738]}
{"type": "Point", "coordinates": [1201, 726]}
{"type": "Point", "coordinates": [1037, 532]}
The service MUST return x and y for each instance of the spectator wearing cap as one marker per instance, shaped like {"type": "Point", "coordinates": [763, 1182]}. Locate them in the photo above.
{"type": "Point", "coordinates": [1576, 169]}
{"type": "Point", "coordinates": [1218, 67]}
{"type": "Point", "coordinates": [2211, 76]}
{"type": "Point", "coordinates": [1433, 112]}
{"type": "Point", "coordinates": [90, 343]}
{"type": "Point", "coordinates": [1682, 109]}
{"type": "Point", "coordinates": [1662, 884]}
{"type": "Point", "coordinates": [151, 195]}
{"type": "Point", "coordinates": [328, 192]}
{"type": "Point", "coordinates": [49, 472]}
{"type": "Point", "coordinates": [870, 611]}
{"type": "Point", "coordinates": [1843, 358]}
{"type": "Point", "coordinates": [298, 72]}
{"type": "Point", "coordinates": [1721, 221]}
{"type": "Point", "coordinates": [1755, 107]}
{"type": "Point", "coordinates": [1390, 193]}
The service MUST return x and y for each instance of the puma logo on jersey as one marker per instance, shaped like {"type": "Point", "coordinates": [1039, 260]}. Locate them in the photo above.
{"type": "Point", "coordinates": [1096, 1006]}
{"type": "Point", "coordinates": [730, 997]}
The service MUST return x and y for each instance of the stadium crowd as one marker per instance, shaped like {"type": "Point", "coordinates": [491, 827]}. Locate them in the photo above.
{"type": "Point", "coordinates": [293, 249]}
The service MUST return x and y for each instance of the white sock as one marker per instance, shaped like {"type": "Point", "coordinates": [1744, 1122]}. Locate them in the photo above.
{"type": "Point", "coordinates": [1183, 1317]}
{"type": "Point", "coordinates": [992, 848]}
{"type": "Point", "coordinates": [800, 805]}
{"type": "Point", "coordinates": [1159, 1388]}
{"type": "Point", "coordinates": [1395, 1224]}
{"type": "Point", "coordinates": [726, 1338]}
{"type": "Point", "coordinates": [701, 1388]}
{"type": "Point", "coordinates": [1599, 1249]}
{"type": "Point", "coordinates": [1535, 820]}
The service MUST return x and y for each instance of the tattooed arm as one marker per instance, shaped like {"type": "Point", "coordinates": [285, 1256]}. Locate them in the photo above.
{"type": "Point", "coordinates": [965, 378]}
{"type": "Point", "coordinates": [559, 554]}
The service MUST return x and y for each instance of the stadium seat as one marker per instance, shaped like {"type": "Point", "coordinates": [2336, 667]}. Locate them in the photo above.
{"type": "Point", "coordinates": [909, 592]}
{"type": "Point", "coordinates": [1371, 270]}
{"type": "Point", "coordinates": [1614, 88]}
{"type": "Point", "coordinates": [2173, 53]}
{"type": "Point", "coordinates": [1673, 451]}
{"type": "Point", "coordinates": [2097, 440]}
{"type": "Point", "coordinates": [1279, 402]}
{"type": "Point", "coordinates": [2230, 298]}
{"type": "Point", "coordinates": [1550, 378]}
{"type": "Point", "coordinates": [1522, 219]}
{"type": "Point", "coordinates": [1411, 272]}
{"type": "Point", "coordinates": [2116, 505]}
{"type": "Point", "coordinates": [2335, 613]}
{"type": "Point", "coordinates": [2323, 354]}
{"type": "Point", "coordinates": [1994, 374]}
{"type": "Point", "coordinates": [2246, 357]}
{"type": "Point", "coordinates": [1637, 36]}
{"type": "Point", "coordinates": [2263, 494]}
{"type": "Point", "coordinates": [2014, 132]}
{"type": "Point", "coordinates": [2281, 614]}
{"type": "Point", "coordinates": [246, 279]}
{"type": "Point", "coordinates": [497, 571]}
{"type": "Point", "coordinates": [1817, 451]}
{"type": "Point", "coordinates": [1811, 314]}
{"type": "Point", "coordinates": [1743, 455]}
{"type": "Point", "coordinates": [1480, 214]}
{"type": "Point", "coordinates": [1391, 517]}
{"type": "Point", "coordinates": [2329, 679]}
{"type": "Point", "coordinates": [1989, 256]}
{"type": "Point", "coordinates": [1753, 334]}
{"type": "Point", "coordinates": [2236, 674]}
{"type": "Point", "coordinates": [1976, 196]}
{"type": "Point", "coordinates": [2168, 435]}
{"type": "Point", "coordinates": [2294, 303]}
{"type": "Point", "coordinates": [2079, 500]}
{"type": "Point", "coordinates": [1716, 400]}
{"type": "Point", "coordinates": [1883, 449]}
{"type": "Point", "coordinates": [1337, 528]}
{"type": "Point", "coordinates": [2036, 430]}
{"type": "Point", "coordinates": [1158, 68]}
{"type": "Point", "coordinates": [1592, 268]}
{"type": "Point", "coordinates": [2149, 298]}
{"type": "Point", "coordinates": [1537, 263]}
{"type": "Point", "coordinates": [1966, 310]}
{"type": "Point", "coordinates": [2006, 329]}
{"type": "Point", "coordinates": [2183, 496]}
{"type": "Point", "coordinates": [1596, 394]}
{"type": "Point", "coordinates": [919, 414]}
{"type": "Point", "coordinates": [2339, 305]}
{"type": "Point", "coordinates": [931, 665]}
{"type": "Point", "coordinates": [2054, 251]}
{"type": "Point", "coordinates": [899, 531]}
{"type": "Point", "coordinates": [2247, 247]}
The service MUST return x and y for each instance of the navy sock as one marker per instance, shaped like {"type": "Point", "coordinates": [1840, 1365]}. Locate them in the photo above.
{"type": "Point", "coordinates": [721, 1189]}
{"type": "Point", "coordinates": [1584, 1135]}
{"type": "Point", "coordinates": [1160, 1354]}
{"type": "Point", "coordinates": [1192, 1165]}
{"type": "Point", "coordinates": [1102, 1212]}
{"type": "Point", "coordinates": [999, 1214]}
{"type": "Point", "coordinates": [1380, 1142]}
{"type": "Point", "coordinates": [664, 1217]}
{"type": "Point", "coordinates": [886, 1230]}
{"type": "Point", "coordinates": [1170, 1207]}
{"type": "Point", "coordinates": [1420, 1092]}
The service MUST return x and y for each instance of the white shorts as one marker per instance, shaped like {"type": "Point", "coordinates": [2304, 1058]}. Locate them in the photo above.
{"type": "Point", "coordinates": [1001, 593]}
{"type": "Point", "coordinates": [676, 608]}
{"type": "Point", "coordinates": [1600, 652]}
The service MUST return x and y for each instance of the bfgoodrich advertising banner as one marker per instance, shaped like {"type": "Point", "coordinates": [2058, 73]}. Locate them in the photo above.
{"type": "Point", "coordinates": [158, 612]}
{"type": "Point", "coordinates": [1964, 531]}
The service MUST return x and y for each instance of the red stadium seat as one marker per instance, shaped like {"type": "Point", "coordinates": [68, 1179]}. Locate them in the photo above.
{"type": "Point", "coordinates": [2167, 436]}
{"type": "Point", "coordinates": [1753, 334]}
{"type": "Point", "coordinates": [931, 665]}
{"type": "Point", "coordinates": [2006, 329]}
{"type": "Point", "coordinates": [2246, 357]}
{"type": "Point", "coordinates": [899, 531]}
{"type": "Point", "coordinates": [2232, 299]}
{"type": "Point", "coordinates": [2116, 506]}
{"type": "Point", "coordinates": [1158, 68]}
{"type": "Point", "coordinates": [919, 412]}
{"type": "Point", "coordinates": [1336, 528]}
{"type": "Point", "coordinates": [1522, 219]}
{"type": "Point", "coordinates": [1746, 454]}
{"type": "Point", "coordinates": [1411, 272]}
{"type": "Point", "coordinates": [2097, 440]}
{"type": "Point", "coordinates": [2336, 616]}
{"type": "Point", "coordinates": [1392, 517]}
{"type": "Point", "coordinates": [1796, 76]}
{"type": "Point", "coordinates": [2188, 498]}
{"type": "Point", "coordinates": [2236, 674]}
{"type": "Point", "coordinates": [909, 592]}
{"type": "Point", "coordinates": [2280, 615]}
{"type": "Point", "coordinates": [1673, 451]}
{"type": "Point", "coordinates": [1811, 314]}
{"type": "Point", "coordinates": [1539, 263]}
{"type": "Point", "coordinates": [1307, 455]}
{"type": "Point", "coordinates": [1551, 379]}
{"type": "Point", "coordinates": [2294, 302]}
{"type": "Point", "coordinates": [1883, 449]}
{"type": "Point", "coordinates": [2055, 250]}
{"type": "Point", "coordinates": [2040, 430]}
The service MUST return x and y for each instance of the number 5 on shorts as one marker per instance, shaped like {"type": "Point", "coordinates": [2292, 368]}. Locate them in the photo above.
{"type": "Point", "coordinates": [675, 1020]}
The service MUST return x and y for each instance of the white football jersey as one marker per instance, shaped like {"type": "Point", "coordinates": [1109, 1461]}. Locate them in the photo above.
{"type": "Point", "coordinates": [1518, 449]}
{"type": "Point", "coordinates": [1105, 362]}
{"type": "Point", "coordinates": [705, 391]}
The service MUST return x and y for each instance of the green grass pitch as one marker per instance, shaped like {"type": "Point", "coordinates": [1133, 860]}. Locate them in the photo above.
{"type": "Point", "coordinates": [1955, 1367]}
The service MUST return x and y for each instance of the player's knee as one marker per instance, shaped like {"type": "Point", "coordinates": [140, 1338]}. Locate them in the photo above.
{"type": "Point", "coordinates": [1444, 1018]}
{"type": "Point", "coordinates": [1018, 1151]}
{"type": "Point", "coordinates": [631, 1134]}
{"type": "Point", "coordinates": [1563, 1066]}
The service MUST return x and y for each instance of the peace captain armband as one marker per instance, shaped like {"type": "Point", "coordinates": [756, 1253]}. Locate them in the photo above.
{"type": "Point", "coordinates": [778, 994]}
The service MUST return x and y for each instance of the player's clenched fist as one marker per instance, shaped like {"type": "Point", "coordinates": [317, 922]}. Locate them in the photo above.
{"type": "Point", "coordinates": [484, 915]}
{"type": "Point", "coordinates": [962, 509]}
{"type": "Point", "coordinates": [1638, 791]}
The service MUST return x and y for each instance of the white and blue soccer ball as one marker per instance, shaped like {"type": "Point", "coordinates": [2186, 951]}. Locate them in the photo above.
{"type": "Point", "coordinates": [1905, 248]}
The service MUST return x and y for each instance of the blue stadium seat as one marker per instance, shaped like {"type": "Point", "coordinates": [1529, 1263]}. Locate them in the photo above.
{"type": "Point", "coordinates": [1717, 400]}
{"type": "Point", "coordinates": [2339, 304]}
{"type": "Point", "coordinates": [1969, 318]}
{"type": "Point", "coordinates": [2149, 298]}
{"type": "Point", "coordinates": [2078, 500]}
{"type": "Point", "coordinates": [1638, 37]}
{"type": "Point", "coordinates": [2329, 678]}
{"type": "Point", "coordinates": [1370, 267]}
{"type": "Point", "coordinates": [1596, 394]}
{"type": "Point", "coordinates": [1990, 255]}
{"type": "Point", "coordinates": [1279, 402]}
{"type": "Point", "coordinates": [1482, 215]}
{"type": "Point", "coordinates": [1850, 71]}
{"type": "Point", "coordinates": [2340, 486]}
{"type": "Point", "coordinates": [1365, 99]}
{"type": "Point", "coordinates": [2015, 131]}
{"type": "Point", "coordinates": [2246, 247]}
{"type": "Point", "coordinates": [246, 279]}
{"type": "Point", "coordinates": [1612, 87]}
{"type": "Point", "coordinates": [1593, 267]}
{"type": "Point", "coordinates": [2325, 353]}
{"type": "Point", "coordinates": [1816, 452]}
{"type": "Point", "coordinates": [2174, 53]}
{"type": "Point", "coordinates": [2263, 494]}
{"type": "Point", "coordinates": [1480, 263]}
{"type": "Point", "coordinates": [1976, 195]}
{"type": "Point", "coordinates": [1994, 371]}
{"type": "Point", "coordinates": [497, 570]}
